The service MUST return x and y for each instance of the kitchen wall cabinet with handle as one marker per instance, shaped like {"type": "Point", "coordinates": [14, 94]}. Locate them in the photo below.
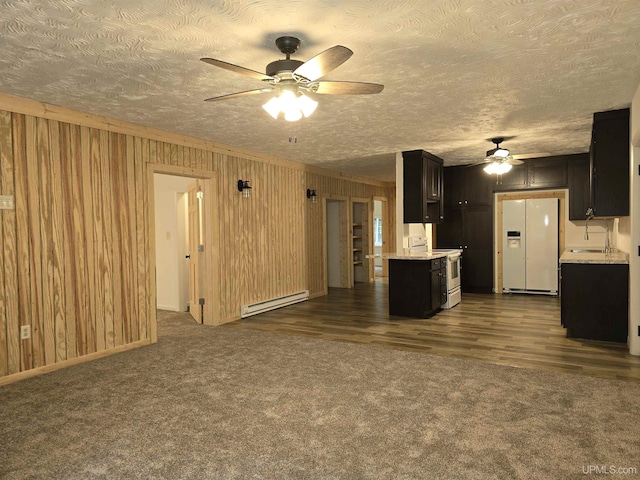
{"type": "Point", "coordinates": [609, 156]}
{"type": "Point", "coordinates": [579, 191]}
{"type": "Point", "coordinates": [469, 224]}
{"type": "Point", "coordinates": [535, 173]}
{"type": "Point", "coordinates": [423, 190]}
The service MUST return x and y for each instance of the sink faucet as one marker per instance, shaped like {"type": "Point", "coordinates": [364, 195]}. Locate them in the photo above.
{"type": "Point", "coordinates": [607, 246]}
{"type": "Point", "coordinates": [586, 223]}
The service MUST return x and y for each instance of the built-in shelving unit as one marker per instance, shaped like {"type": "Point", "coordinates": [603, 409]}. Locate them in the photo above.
{"type": "Point", "coordinates": [360, 240]}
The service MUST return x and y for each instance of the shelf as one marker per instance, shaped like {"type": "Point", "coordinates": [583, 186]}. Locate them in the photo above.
{"type": "Point", "coordinates": [358, 262]}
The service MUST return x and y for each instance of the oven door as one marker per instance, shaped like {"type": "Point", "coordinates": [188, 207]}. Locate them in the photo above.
{"type": "Point", "coordinates": [453, 271]}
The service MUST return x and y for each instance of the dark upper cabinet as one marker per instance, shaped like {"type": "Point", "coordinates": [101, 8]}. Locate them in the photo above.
{"type": "Point", "coordinates": [547, 172]}
{"type": "Point", "coordinates": [535, 173]}
{"type": "Point", "coordinates": [478, 186]}
{"type": "Point", "coordinates": [610, 163]}
{"type": "Point", "coordinates": [423, 189]}
{"type": "Point", "coordinates": [579, 191]}
{"type": "Point", "coordinates": [467, 185]}
{"type": "Point", "coordinates": [515, 179]}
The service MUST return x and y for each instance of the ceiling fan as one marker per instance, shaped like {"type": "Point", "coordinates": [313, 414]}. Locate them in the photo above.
{"type": "Point", "coordinates": [294, 82]}
{"type": "Point", "coordinates": [499, 159]}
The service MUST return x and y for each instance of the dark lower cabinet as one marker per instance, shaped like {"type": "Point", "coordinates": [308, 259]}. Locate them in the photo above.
{"type": "Point", "coordinates": [594, 301]}
{"type": "Point", "coordinates": [415, 287]}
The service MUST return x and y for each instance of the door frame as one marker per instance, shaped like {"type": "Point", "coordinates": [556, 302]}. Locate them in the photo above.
{"type": "Point", "coordinates": [385, 234]}
{"type": "Point", "coordinates": [370, 271]}
{"type": "Point", "coordinates": [344, 240]}
{"type": "Point", "coordinates": [210, 271]}
{"type": "Point", "coordinates": [501, 197]}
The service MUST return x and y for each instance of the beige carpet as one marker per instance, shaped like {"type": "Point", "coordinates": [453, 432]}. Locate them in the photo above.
{"type": "Point", "coordinates": [232, 404]}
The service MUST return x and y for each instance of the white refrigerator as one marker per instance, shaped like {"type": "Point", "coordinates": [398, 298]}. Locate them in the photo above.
{"type": "Point", "coordinates": [530, 246]}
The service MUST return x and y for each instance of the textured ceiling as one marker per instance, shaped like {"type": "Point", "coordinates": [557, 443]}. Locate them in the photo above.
{"type": "Point", "coordinates": [456, 72]}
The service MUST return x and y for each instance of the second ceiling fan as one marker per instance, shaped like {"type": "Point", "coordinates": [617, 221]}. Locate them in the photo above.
{"type": "Point", "coordinates": [296, 83]}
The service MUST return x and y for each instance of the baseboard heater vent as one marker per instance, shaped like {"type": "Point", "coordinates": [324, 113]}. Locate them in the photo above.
{"type": "Point", "coordinates": [260, 307]}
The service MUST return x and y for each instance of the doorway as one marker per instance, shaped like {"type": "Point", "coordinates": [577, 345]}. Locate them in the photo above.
{"type": "Point", "coordinates": [336, 242]}
{"type": "Point", "coordinates": [171, 254]}
{"type": "Point", "coordinates": [172, 237]}
{"type": "Point", "coordinates": [380, 236]}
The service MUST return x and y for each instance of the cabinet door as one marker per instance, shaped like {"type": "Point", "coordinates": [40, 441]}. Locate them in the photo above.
{"type": "Point", "coordinates": [477, 270]}
{"type": "Point", "coordinates": [547, 173]}
{"type": "Point", "coordinates": [594, 301]}
{"type": "Point", "coordinates": [414, 204]}
{"type": "Point", "coordinates": [477, 254]}
{"type": "Point", "coordinates": [435, 289]}
{"type": "Point", "coordinates": [515, 179]}
{"type": "Point", "coordinates": [453, 186]}
{"type": "Point", "coordinates": [449, 233]}
{"type": "Point", "coordinates": [478, 186]}
{"type": "Point", "coordinates": [579, 190]}
{"type": "Point", "coordinates": [610, 169]}
{"type": "Point", "coordinates": [433, 179]}
{"type": "Point", "coordinates": [477, 226]}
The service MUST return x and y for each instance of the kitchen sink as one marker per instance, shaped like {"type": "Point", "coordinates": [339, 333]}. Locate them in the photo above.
{"type": "Point", "coordinates": [586, 250]}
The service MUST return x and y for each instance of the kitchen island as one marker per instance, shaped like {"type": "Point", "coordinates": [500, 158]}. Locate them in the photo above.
{"type": "Point", "coordinates": [417, 284]}
{"type": "Point", "coordinates": [594, 295]}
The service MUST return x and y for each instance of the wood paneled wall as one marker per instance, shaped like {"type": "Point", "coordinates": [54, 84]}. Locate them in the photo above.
{"type": "Point", "coordinates": [75, 252]}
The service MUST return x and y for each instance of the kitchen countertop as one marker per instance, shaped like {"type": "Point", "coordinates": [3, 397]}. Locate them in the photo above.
{"type": "Point", "coordinates": [414, 256]}
{"type": "Point", "coordinates": [594, 257]}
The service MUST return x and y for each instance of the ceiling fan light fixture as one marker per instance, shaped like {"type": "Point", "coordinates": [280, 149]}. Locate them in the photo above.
{"type": "Point", "coordinates": [272, 107]}
{"type": "Point", "coordinates": [497, 168]}
{"type": "Point", "coordinates": [293, 105]}
{"type": "Point", "coordinates": [307, 105]}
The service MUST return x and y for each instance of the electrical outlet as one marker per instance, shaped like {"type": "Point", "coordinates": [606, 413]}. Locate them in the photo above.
{"type": "Point", "coordinates": [25, 332]}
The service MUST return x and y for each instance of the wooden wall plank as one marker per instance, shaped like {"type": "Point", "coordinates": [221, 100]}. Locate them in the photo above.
{"type": "Point", "coordinates": [107, 206]}
{"type": "Point", "coordinates": [35, 242]}
{"type": "Point", "coordinates": [88, 223]}
{"type": "Point", "coordinates": [133, 149]}
{"type": "Point", "coordinates": [22, 234]}
{"type": "Point", "coordinates": [98, 298]}
{"type": "Point", "coordinates": [70, 273]}
{"type": "Point", "coordinates": [81, 287]}
{"type": "Point", "coordinates": [57, 244]}
{"type": "Point", "coordinates": [141, 244]}
{"type": "Point", "coordinates": [117, 157]}
{"type": "Point", "coordinates": [9, 321]}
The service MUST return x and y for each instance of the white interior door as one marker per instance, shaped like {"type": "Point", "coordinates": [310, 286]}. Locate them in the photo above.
{"type": "Point", "coordinates": [194, 243]}
{"type": "Point", "coordinates": [514, 244]}
{"type": "Point", "coordinates": [542, 244]}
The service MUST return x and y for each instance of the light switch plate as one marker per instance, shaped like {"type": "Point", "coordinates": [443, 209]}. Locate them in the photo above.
{"type": "Point", "coordinates": [6, 202]}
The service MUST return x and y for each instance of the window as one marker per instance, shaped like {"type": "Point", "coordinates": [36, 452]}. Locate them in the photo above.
{"type": "Point", "coordinates": [377, 232]}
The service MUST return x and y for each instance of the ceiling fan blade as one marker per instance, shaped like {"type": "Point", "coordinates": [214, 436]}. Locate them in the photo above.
{"type": "Point", "coordinates": [239, 94]}
{"type": "Point", "coordinates": [525, 156]}
{"type": "Point", "coordinates": [513, 161]}
{"type": "Point", "coordinates": [347, 88]}
{"type": "Point", "coordinates": [236, 68]}
{"type": "Point", "coordinates": [323, 63]}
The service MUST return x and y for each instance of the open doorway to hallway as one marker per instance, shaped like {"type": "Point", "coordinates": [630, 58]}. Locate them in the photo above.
{"type": "Point", "coordinates": [172, 241]}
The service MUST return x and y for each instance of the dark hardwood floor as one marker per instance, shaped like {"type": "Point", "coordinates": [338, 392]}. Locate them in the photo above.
{"type": "Point", "coordinates": [516, 330]}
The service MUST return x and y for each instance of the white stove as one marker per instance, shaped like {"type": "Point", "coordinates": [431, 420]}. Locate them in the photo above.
{"type": "Point", "coordinates": [454, 267]}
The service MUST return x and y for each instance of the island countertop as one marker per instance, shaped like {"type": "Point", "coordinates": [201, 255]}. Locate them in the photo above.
{"type": "Point", "coordinates": [594, 257]}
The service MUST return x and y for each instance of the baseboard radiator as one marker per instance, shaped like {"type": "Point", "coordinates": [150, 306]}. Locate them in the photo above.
{"type": "Point", "coordinates": [265, 306]}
